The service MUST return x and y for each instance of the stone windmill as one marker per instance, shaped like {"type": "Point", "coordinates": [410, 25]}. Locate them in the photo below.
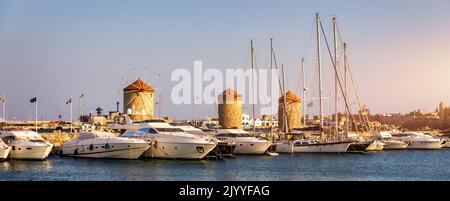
{"type": "Point", "coordinates": [138, 99]}
{"type": "Point", "coordinates": [230, 109]}
{"type": "Point", "coordinates": [292, 116]}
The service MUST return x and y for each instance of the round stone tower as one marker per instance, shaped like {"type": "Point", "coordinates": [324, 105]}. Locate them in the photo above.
{"type": "Point", "coordinates": [293, 113]}
{"type": "Point", "coordinates": [138, 99]}
{"type": "Point", "coordinates": [230, 109]}
{"type": "Point", "coordinates": [442, 111]}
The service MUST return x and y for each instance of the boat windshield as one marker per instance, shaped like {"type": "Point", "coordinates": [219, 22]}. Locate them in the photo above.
{"type": "Point", "coordinates": [134, 134]}
{"type": "Point", "coordinates": [31, 138]}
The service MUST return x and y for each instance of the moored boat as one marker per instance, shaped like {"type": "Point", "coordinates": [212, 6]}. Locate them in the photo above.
{"type": "Point", "coordinates": [169, 142]}
{"type": "Point", "coordinates": [389, 143]}
{"type": "Point", "coordinates": [245, 142]}
{"type": "Point", "coordinates": [312, 146]}
{"type": "Point", "coordinates": [26, 145]}
{"type": "Point", "coordinates": [417, 140]}
{"type": "Point", "coordinates": [98, 144]}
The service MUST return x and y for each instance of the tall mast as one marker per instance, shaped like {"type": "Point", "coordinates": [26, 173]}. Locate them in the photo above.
{"type": "Point", "coordinates": [345, 86]}
{"type": "Point", "coordinates": [271, 67]}
{"type": "Point", "coordinates": [285, 118]}
{"type": "Point", "coordinates": [336, 129]}
{"type": "Point", "coordinates": [320, 74]}
{"type": "Point", "coordinates": [303, 90]}
{"type": "Point", "coordinates": [253, 87]}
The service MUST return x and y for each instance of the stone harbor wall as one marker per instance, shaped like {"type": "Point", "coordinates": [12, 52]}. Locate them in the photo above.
{"type": "Point", "coordinates": [57, 139]}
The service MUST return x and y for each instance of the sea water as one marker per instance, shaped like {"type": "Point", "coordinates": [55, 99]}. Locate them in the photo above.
{"type": "Point", "coordinates": [384, 165]}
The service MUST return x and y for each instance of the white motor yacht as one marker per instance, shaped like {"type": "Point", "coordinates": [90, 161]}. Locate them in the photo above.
{"type": "Point", "coordinates": [26, 144]}
{"type": "Point", "coordinates": [389, 143]}
{"type": "Point", "coordinates": [170, 142]}
{"type": "Point", "coordinates": [98, 144]}
{"type": "Point", "coordinates": [245, 142]}
{"type": "Point", "coordinates": [4, 150]}
{"type": "Point", "coordinates": [418, 140]}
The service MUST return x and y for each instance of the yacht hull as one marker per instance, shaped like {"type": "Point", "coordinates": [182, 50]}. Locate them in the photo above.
{"type": "Point", "coordinates": [425, 145]}
{"type": "Point", "coordinates": [4, 152]}
{"type": "Point", "coordinates": [30, 152]}
{"type": "Point", "coordinates": [251, 147]}
{"type": "Point", "coordinates": [336, 147]}
{"type": "Point", "coordinates": [115, 151]}
{"type": "Point", "coordinates": [174, 150]}
{"type": "Point", "coordinates": [394, 145]}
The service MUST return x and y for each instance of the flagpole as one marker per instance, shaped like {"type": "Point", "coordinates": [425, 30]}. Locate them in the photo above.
{"type": "Point", "coordinates": [4, 109]}
{"type": "Point", "coordinates": [36, 115]}
{"type": "Point", "coordinates": [71, 119]}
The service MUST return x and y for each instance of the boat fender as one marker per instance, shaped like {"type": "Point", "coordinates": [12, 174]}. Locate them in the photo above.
{"type": "Point", "coordinates": [106, 146]}
{"type": "Point", "coordinates": [91, 147]}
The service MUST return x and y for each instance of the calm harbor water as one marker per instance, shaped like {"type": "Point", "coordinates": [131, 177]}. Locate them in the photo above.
{"type": "Point", "coordinates": [386, 165]}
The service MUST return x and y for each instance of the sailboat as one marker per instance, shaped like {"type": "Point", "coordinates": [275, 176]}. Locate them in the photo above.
{"type": "Point", "coordinates": [322, 145]}
{"type": "Point", "coordinates": [360, 144]}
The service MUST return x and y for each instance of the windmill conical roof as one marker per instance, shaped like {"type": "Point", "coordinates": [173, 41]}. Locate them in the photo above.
{"type": "Point", "coordinates": [139, 86]}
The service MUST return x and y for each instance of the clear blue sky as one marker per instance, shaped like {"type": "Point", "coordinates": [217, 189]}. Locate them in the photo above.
{"type": "Point", "coordinates": [400, 50]}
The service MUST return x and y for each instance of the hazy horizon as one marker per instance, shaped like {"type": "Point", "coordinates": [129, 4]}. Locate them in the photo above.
{"type": "Point", "coordinates": [399, 50]}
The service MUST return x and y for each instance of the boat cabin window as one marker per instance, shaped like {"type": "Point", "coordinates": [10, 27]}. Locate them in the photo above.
{"type": "Point", "coordinates": [9, 139]}
{"type": "Point", "coordinates": [297, 143]}
{"type": "Point", "coordinates": [234, 135]}
{"type": "Point", "coordinates": [148, 130]}
{"type": "Point", "coordinates": [169, 130]}
{"type": "Point", "coordinates": [134, 134]}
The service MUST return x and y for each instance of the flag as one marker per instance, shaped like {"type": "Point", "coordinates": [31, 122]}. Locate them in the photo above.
{"type": "Point", "coordinates": [82, 95]}
{"type": "Point", "coordinates": [310, 104]}
{"type": "Point", "coordinates": [69, 101]}
{"type": "Point", "coordinates": [33, 100]}
{"type": "Point", "coordinates": [2, 100]}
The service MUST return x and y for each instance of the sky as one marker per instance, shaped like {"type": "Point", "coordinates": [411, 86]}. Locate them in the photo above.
{"type": "Point", "coordinates": [399, 50]}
